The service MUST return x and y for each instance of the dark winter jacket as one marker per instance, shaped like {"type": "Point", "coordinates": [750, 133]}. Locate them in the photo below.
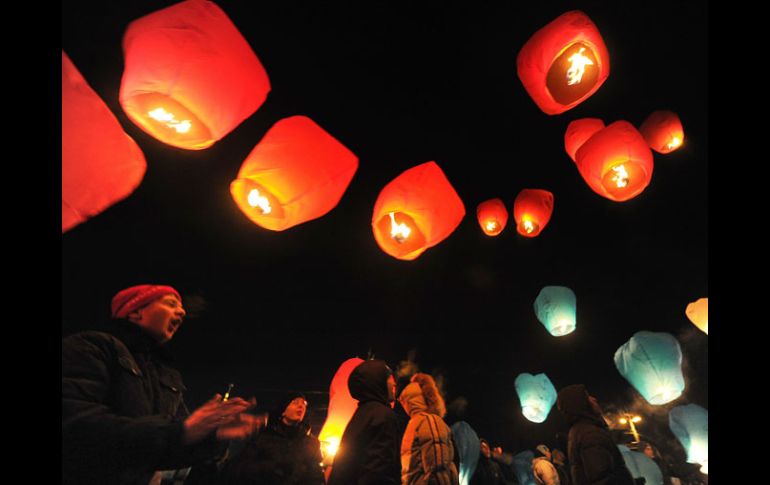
{"type": "Point", "coordinates": [122, 409]}
{"type": "Point", "coordinates": [488, 472]}
{"type": "Point", "coordinates": [369, 452]}
{"type": "Point", "coordinates": [594, 458]}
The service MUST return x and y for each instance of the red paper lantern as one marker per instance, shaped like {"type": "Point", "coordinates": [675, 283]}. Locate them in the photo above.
{"type": "Point", "coordinates": [415, 211]}
{"type": "Point", "coordinates": [663, 131]}
{"type": "Point", "coordinates": [100, 163]}
{"type": "Point", "coordinates": [578, 132]}
{"type": "Point", "coordinates": [532, 210]}
{"type": "Point", "coordinates": [616, 162]}
{"type": "Point", "coordinates": [190, 77]}
{"type": "Point", "coordinates": [296, 173]}
{"type": "Point", "coordinates": [492, 216]}
{"type": "Point", "coordinates": [563, 63]}
{"type": "Point", "coordinates": [342, 406]}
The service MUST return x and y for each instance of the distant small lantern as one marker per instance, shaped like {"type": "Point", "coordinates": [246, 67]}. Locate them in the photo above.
{"type": "Point", "coordinates": [492, 216]}
{"type": "Point", "coordinates": [190, 77]}
{"type": "Point", "coordinates": [690, 425]}
{"type": "Point", "coordinates": [663, 131]}
{"type": "Point", "coordinates": [532, 210]}
{"type": "Point", "coordinates": [536, 395]}
{"type": "Point", "coordinates": [641, 466]}
{"type": "Point", "coordinates": [342, 406]}
{"type": "Point", "coordinates": [578, 132]}
{"type": "Point", "coordinates": [652, 363]}
{"type": "Point", "coordinates": [563, 63]}
{"type": "Point", "coordinates": [616, 162]}
{"type": "Point", "coordinates": [555, 307]}
{"type": "Point", "coordinates": [468, 450]}
{"type": "Point", "coordinates": [416, 211]}
{"type": "Point", "coordinates": [100, 163]}
{"type": "Point", "coordinates": [296, 173]}
{"type": "Point", "coordinates": [698, 313]}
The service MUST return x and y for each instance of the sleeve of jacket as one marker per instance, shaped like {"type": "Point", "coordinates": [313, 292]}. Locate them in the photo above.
{"type": "Point", "coordinates": [382, 458]}
{"type": "Point", "coordinates": [597, 464]}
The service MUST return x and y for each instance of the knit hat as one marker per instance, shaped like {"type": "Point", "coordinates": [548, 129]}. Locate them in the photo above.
{"type": "Point", "coordinates": [136, 297]}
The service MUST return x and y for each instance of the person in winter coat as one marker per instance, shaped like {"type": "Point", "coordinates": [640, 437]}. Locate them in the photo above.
{"type": "Point", "coordinates": [283, 453]}
{"type": "Point", "coordinates": [544, 471]}
{"type": "Point", "coordinates": [369, 449]}
{"type": "Point", "coordinates": [488, 471]}
{"type": "Point", "coordinates": [427, 448]}
{"type": "Point", "coordinates": [560, 463]}
{"type": "Point", "coordinates": [123, 415]}
{"type": "Point", "coordinates": [594, 458]}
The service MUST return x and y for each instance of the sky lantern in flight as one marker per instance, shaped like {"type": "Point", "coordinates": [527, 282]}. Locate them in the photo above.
{"type": "Point", "coordinates": [296, 173]}
{"type": "Point", "coordinates": [537, 396]}
{"type": "Point", "coordinates": [578, 132]}
{"type": "Point", "coordinates": [532, 210]}
{"type": "Point", "coordinates": [100, 163]}
{"type": "Point", "coordinates": [492, 216]}
{"type": "Point", "coordinates": [663, 131]}
{"type": "Point", "coordinates": [563, 63]}
{"type": "Point", "coordinates": [556, 308]}
{"type": "Point", "coordinates": [468, 449]}
{"type": "Point", "coordinates": [690, 425]}
{"type": "Point", "coordinates": [189, 77]}
{"type": "Point", "coordinates": [698, 313]}
{"type": "Point", "coordinates": [652, 363]}
{"type": "Point", "coordinates": [342, 406]}
{"type": "Point", "coordinates": [615, 161]}
{"type": "Point", "coordinates": [415, 211]}
{"type": "Point", "coordinates": [641, 466]}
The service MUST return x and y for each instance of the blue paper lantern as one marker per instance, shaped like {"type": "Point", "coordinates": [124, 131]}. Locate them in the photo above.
{"type": "Point", "coordinates": [652, 363]}
{"type": "Point", "coordinates": [522, 466]}
{"type": "Point", "coordinates": [641, 465]}
{"type": "Point", "coordinates": [556, 308]}
{"type": "Point", "coordinates": [468, 449]}
{"type": "Point", "coordinates": [690, 425]}
{"type": "Point", "coordinates": [537, 396]}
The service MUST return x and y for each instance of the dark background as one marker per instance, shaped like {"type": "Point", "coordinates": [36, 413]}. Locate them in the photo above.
{"type": "Point", "coordinates": [402, 84]}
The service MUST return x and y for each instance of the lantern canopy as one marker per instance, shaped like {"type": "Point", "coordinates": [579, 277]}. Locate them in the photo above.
{"type": "Point", "coordinates": [415, 211]}
{"type": "Point", "coordinates": [492, 216]}
{"type": "Point", "coordinates": [641, 466]}
{"type": "Point", "coordinates": [532, 210]}
{"type": "Point", "coordinates": [100, 163]}
{"type": "Point", "coordinates": [296, 173]}
{"type": "Point", "coordinates": [468, 449]}
{"type": "Point", "coordinates": [616, 162]}
{"type": "Point", "coordinates": [190, 77]}
{"type": "Point", "coordinates": [690, 425]}
{"type": "Point", "coordinates": [537, 396]}
{"type": "Point", "coordinates": [652, 363]}
{"type": "Point", "coordinates": [522, 466]}
{"type": "Point", "coordinates": [663, 131]}
{"type": "Point", "coordinates": [578, 132]}
{"type": "Point", "coordinates": [564, 63]}
{"type": "Point", "coordinates": [698, 313]}
{"type": "Point", "coordinates": [342, 406]}
{"type": "Point", "coordinates": [556, 309]}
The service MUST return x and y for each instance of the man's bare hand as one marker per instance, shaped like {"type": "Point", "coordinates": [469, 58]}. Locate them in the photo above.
{"type": "Point", "coordinates": [210, 416]}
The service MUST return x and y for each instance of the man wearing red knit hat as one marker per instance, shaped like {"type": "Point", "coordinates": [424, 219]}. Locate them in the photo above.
{"type": "Point", "coordinates": [123, 415]}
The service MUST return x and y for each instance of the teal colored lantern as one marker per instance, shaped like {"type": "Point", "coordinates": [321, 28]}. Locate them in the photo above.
{"type": "Point", "coordinates": [556, 309]}
{"type": "Point", "coordinates": [468, 449]}
{"type": "Point", "coordinates": [690, 425]}
{"type": "Point", "coordinates": [522, 466]}
{"type": "Point", "coordinates": [641, 466]}
{"type": "Point", "coordinates": [652, 363]}
{"type": "Point", "coordinates": [537, 396]}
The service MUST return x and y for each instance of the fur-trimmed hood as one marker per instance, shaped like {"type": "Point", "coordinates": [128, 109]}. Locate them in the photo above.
{"type": "Point", "coordinates": [422, 395]}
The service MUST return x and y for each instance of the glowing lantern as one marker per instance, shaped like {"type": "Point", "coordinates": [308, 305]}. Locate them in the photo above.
{"type": "Point", "coordinates": [532, 210]}
{"type": "Point", "coordinates": [190, 77]}
{"type": "Point", "coordinates": [578, 132]}
{"type": "Point", "coordinates": [615, 162]}
{"type": "Point", "coordinates": [522, 466]}
{"type": "Point", "coordinates": [563, 63]}
{"type": "Point", "coordinates": [468, 448]}
{"type": "Point", "coordinates": [100, 163]}
{"type": "Point", "coordinates": [698, 313]}
{"type": "Point", "coordinates": [652, 363]}
{"type": "Point", "coordinates": [492, 216]}
{"type": "Point", "coordinates": [663, 131]}
{"type": "Point", "coordinates": [296, 173]}
{"type": "Point", "coordinates": [556, 308]}
{"type": "Point", "coordinates": [537, 396]}
{"type": "Point", "coordinates": [342, 406]}
{"type": "Point", "coordinates": [690, 425]}
{"type": "Point", "coordinates": [415, 211]}
{"type": "Point", "coordinates": [641, 466]}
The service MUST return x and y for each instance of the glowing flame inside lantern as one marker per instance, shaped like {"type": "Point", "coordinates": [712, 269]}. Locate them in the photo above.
{"type": "Point", "coordinates": [675, 142]}
{"type": "Point", "coordinates": [399, 232]}
{"type": "Point", "coordinates": [528, 225]}
{"type": "Point", "coordinates": [578, 67]}
{"type": "Point", "coordinates": [330, 446]}
{"type": "Point", "coordinates": [665, 394]}
{"type": "Point", "coordinates": [492, 226]}
{"type": "Point", "coordinates": [698, 453]}
{"type": "Point", "coordinates": [256, 200]}
{"type": "Point", "coordinates": [621, 176]}
{"type": "Point", "coordinates": [170, 120]}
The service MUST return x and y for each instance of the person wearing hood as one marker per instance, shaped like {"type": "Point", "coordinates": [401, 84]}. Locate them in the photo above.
{"type": "Point", "coordinates": [544, 471]}
{"type": "Point", "coordinates": [594, 458]}
{"type": "Point", "coordinates": [488, 471]}
{"type": "Point", "coordinates": [369, 449]}
{"type": "Point", "coordinates": [427, 448]}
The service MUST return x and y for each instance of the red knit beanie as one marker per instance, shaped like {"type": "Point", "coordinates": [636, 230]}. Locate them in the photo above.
{"type": "Point", "coordinates": [135, 297]}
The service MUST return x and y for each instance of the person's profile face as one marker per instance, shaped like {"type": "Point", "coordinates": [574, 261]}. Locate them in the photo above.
{"type": "Point", "coordinates": [391, 388]}
{"type": "Point", "coordinates": [161, 318]}
{"type": "Point", "coordinates": [485, 449]}
{"type": "Point", "coordinates": [295, 411]}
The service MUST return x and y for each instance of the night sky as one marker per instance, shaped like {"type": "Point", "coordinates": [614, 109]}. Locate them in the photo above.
{"type": "Point", "coordinates": [401, 84]}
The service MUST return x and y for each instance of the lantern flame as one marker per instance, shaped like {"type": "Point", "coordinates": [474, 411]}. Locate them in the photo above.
{"type": "Point", "coordinates": [621, 176]}
{"type": "Point", "coordinates": [529, 226]}
{"type": "Point", "coordinates": [578, 67]}
{"type": "Point", "coordinates": [160, 114]}
{"type": "Point", "coordinates": [332, 445]}
{"type": "Point", "coordinates": [399, 232]}
{"type": "Point", "coordinates": [675, 142]}
{"type": "Point", "coordinates": [256, 200]}
{"type": "Point", "coordinates": [492, 226]}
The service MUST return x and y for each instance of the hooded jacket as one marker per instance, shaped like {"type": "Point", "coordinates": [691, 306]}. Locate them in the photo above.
{"type": "Point", "coordinates": [544, 471]}
{"type": "Point", "coordinates": [369, 448]}
{"type": "Point", "coordinates": [593, 456]}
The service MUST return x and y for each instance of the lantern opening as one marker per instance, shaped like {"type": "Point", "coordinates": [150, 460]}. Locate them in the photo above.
{"type": "Point", "coordinates": [563, 327]}
{"type": "Point", "coordinates": [534, 413]}
{"type": "Point", "coordinates": [664, 394]}
{"type": "Point", "coordinates": [398, 231]}
{"type": "Point", "coordinates": [169, 121]}
{"type": "Point", "coordinates": [573, 73]}
{"type": "Point", "coordinates": [528, 227]}
{"type": "Point", "coordinates": [674, 143]}
{"type": "Point", "coordinates": [255, 201]}
{"type": "Point", "coordinates": [624, 178]}
{"type": "Point", "coordinates": [329, 447]}
{"type": "Point", "coordinates": [402, 234]}
{"type": "Point", "coordinates": [492, 228]}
